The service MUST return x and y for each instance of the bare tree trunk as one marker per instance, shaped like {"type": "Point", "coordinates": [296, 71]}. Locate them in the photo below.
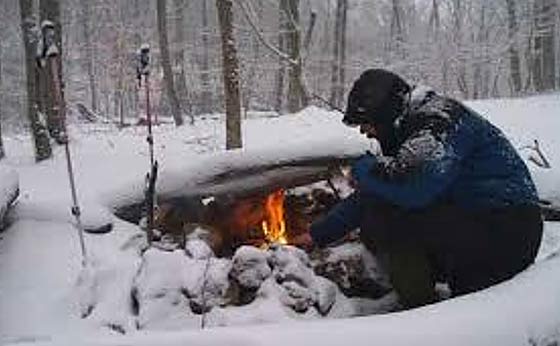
{"type": "Point", "coordinates": [336, 54]}
{"type": "Point", "coordinates": [90, 57]}
{"type": "Point", "coordinates": [281, 72]}
{"type": "Point", "coordinates": [251, 68]}
{"type": "Point", "coordinates": [342, 61]}
{"type": "Point", "coordinates": [325, 64]}
{"type": "Point", "coordinates": [39, 132]}
{"type": "Point", "coordinates": [179, 61]}
{"type": "Point", "coordinates": [230, 70]}
{"type": "Point", "coordinates": [397, 36]}
{"type": "Point", "coordinates": [50, 11]}
{"type": "Point", "coordinates": [297, 95]}
{"type": "Point", "coordinates": [458, 14]}
{"type": "Point", "coordinates": [205, 73]}
{"type": "Point", "coordinates": [544, 71]}
{"type": "Point", "coordinates": [166, 63]}
{"type": "Point", "coordinates": [481, 60]}
{"type": "Point", "coordinates": [514, 64]}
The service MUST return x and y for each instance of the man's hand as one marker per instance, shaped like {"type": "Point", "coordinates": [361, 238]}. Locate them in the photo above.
{"type": "Point", "coordinates": [361, 169]}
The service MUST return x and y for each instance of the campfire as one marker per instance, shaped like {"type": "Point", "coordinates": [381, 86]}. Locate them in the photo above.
{"type": "Point", "coordinates": [239, 226]}
{"type": "Point", "coordinates": [274, 224]}
{"type": "Point", "coordinates": [254, 205]}
{"type": "Point", "coordinates": [259, 219]}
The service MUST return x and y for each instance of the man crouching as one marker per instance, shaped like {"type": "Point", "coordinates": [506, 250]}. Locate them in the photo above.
{"type": "Point", "coordinates": [449, 199]}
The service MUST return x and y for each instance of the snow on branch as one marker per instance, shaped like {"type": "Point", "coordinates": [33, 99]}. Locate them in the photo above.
{"type": "Point", "coordinates": [539, 160]}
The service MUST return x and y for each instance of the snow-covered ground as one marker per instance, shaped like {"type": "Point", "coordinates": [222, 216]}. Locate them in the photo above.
{"type": "Point", "coordinates": [44, 292]}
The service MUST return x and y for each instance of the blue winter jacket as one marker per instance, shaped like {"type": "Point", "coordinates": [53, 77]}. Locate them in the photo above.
{"type": "Point", "coordinates": [447, 153]}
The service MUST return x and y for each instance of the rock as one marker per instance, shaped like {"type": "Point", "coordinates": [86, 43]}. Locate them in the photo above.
{"type": "Point", "coordinates": [200, 242]}
{"type": "Point", "coordinates": [291, 264]}
{"type": "Point", "coordinates": [354, 269]}
{"type": "Point", "coordinates": [302, 288]}
{"type": "Point", "coordinates": [210, 288]}
{"type": "Point", "coordinates": [297, 297]}
{"type": "Point", "coordinates": [170, 285]}
{"type": "Point", "coordinates": [198, 249]}
{"type": "Point", "coordinates": [249, 270]}
{"type": "Point", "coordinates": [326, 295]}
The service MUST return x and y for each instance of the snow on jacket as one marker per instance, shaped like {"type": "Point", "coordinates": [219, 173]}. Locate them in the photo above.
{"type": "Point", "coordinates": [447, 153]}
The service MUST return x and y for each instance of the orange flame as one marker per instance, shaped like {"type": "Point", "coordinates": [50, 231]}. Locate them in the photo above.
{"type": "Point", "coordinates": [274, 225]}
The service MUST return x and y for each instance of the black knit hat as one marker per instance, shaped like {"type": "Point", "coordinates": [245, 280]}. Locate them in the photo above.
{"type": "Point", "coordinates": [377, 97]}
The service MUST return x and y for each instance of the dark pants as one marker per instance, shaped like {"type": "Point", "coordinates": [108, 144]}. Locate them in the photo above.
{"type": "Point", "coordinates": [468, 250]}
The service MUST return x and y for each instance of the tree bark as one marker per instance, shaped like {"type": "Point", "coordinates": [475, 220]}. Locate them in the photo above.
{"type": "Point", "coordinates": [297, 95]}
{"type": "Point", "coordinates": [458, 40]}
{"type": "Point", "coordinates": [39, 132]}
{"type": "Point", "coordinates": [230, 70]}
{"type": "Point", "coordinates": [206, 106]}
{"type": "Point", "coordinates": [544, 60]}
{"type": "Point", "coordinates": [179, 61]}
{"type": "Point", "coordinates": [281, 71]}
{"type": "Point", "coordinates": [340, 57]}
{"type": "Point", "coordinates": [50, 11]}
{"type": "Point", "coordinates": [514, 64]}
{"type": "Point", "coordinates": [397, 36]}
{"type": "Point", "coordinates": [166, 63]}
{"type": "Point", "coordinates": [90, 57]}
{"type": "Point", "coordinates": [336, 53]}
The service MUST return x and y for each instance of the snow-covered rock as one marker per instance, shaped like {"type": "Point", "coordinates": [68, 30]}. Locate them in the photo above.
{"type": "Point", "coordinates": [302, 288]}
{"type": "Point", "coordinates": [171, 286]}
{"type": "Point", "coordinates": [354, 269]}
{"type": "Point", "coordinates": [248, 271]}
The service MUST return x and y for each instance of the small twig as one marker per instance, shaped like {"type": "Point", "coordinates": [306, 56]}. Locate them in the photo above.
{"type": "Point", "coordinates": [542, 162]}
{"type": "Point", "coordinates": [545, 162]}
{"type": "Point", "coordinates": [334, 189]}
{"type": "Point", "coordinates": [204, 303]}
{"type": "Point", "coordinates": [325, 101]}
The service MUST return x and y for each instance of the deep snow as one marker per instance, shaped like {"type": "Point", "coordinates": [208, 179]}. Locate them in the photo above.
{"type": "Point", "coordinates": [43, 290]}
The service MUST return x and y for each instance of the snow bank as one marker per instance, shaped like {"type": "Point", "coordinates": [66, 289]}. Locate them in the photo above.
{"type": "Point", "coordinates": [502, 315]}
{"type": "Point", "coordinates": [44, 292]}
{"type": "Point", "coordinates": [523, 120]}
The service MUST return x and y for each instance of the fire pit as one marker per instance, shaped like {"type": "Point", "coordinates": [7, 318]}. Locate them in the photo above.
{"type": "Point", "coordinates": [224, 242]}
{"type": "Point", "coordinates": [254, 205]}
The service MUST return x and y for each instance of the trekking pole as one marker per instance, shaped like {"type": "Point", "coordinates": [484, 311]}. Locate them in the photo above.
{"type": "Point", "coordinates": [52, 55]}
{"type": "Point", "coordinates": [143, 70]}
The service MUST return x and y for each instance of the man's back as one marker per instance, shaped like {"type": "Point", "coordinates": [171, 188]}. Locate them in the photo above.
{"type": "Point", "coordinates": [490, 173]}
